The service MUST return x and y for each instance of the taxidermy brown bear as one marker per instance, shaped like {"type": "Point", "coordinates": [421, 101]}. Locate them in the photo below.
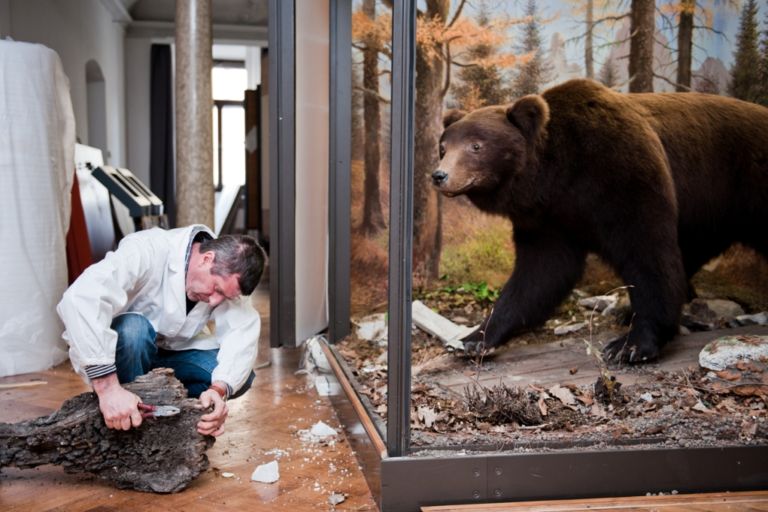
{"type": "Point", "coordinates": [655, 184]}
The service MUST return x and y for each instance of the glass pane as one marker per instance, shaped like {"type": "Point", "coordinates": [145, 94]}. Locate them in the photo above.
{"type": "Point", "coordinates": [547, 384]}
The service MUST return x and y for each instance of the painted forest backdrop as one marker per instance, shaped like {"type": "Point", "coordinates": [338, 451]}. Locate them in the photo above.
{"type": "Point", "coordinates": [472, 53]}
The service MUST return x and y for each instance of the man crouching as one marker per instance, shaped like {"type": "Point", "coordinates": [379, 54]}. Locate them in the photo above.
{"type": "Point", "coordinates": [147, 305]}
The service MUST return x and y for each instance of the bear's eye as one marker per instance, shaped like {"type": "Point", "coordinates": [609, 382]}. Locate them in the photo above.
{"type": "Point", "coordinates": [475, 147]}
{"type": "Point", "coordinates": [442, 151]}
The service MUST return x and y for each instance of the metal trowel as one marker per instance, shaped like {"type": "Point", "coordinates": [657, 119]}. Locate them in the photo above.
{"type": "Point", "coordinates": [158, 411]}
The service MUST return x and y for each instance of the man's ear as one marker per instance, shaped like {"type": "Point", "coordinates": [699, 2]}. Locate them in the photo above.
{"type": "Point", "coordinates": [208, 257]}
{"type": "Point", "coordinates": [452, 116]}
{"type": "Point", "coordinates": [530, 114]}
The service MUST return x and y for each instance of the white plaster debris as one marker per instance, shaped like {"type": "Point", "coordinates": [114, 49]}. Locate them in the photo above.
{"type": "Point", "coordinates": [277, 453]}
{"type": "Point", "coordinates": [599, 303]}
{"type": "Point", "coordinates": [266, 473]}
{"type": "Point", "coordinates": [313, 358]}
{"type": "Point", "coordinates": [561, 330]}
{"type": "Point", "coordinates": [756, 319]}
{"type": "Point", "coordinates": [729, 350]}
{"type": "Point", "coordinates": [327, 385]}
{"type": "Point", "coordinates": [437, 325]}
{"type": "Point", "coordinates": [336, 498]}
{"type": "Point", "coordinates": [372, 328]}
{"type": "Point", "coordinates": [320, 433]}
{"type": "Point", "coordinates": [227, 474]}
{"type": "Point", "coordinates": [426, 415]}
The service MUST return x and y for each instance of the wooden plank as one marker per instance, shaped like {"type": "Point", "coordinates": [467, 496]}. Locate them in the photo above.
{"type": "Point", "coordinates": [550, 363]}
{"type": "Point", "coordinates": [362, 414]}
{"type": "Point", "coordinates": [715, 502]}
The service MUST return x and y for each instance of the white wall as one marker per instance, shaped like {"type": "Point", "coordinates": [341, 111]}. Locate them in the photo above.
{"type": "Point", "coordinates": [138, 53]}
{"type": "Point", "coordinates": [312, 111]}
{"type": "Point", "coordinates": [78, 30]}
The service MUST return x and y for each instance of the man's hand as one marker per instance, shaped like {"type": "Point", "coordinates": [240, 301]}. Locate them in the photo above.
{"type": "Point", "coordinates": [118, 405]}
{"type": "Point", "coordinates": [212, 424]}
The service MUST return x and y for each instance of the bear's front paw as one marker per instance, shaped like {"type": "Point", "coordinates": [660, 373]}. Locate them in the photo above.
{"type": "Point", "coordinates": [621, 350]}
{"type": "Point", "coordinates": [473, 349]}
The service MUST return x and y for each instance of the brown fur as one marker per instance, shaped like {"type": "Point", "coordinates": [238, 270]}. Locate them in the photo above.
{"type": "Point", "coordinates": [656, 184]}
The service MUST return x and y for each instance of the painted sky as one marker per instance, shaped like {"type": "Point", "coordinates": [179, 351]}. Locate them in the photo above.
{"type": "Point", "coordinates": [561, 19]}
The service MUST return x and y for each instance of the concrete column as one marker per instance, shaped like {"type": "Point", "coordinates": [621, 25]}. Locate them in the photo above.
{"type": "Point", "coordinates": [194, 143]}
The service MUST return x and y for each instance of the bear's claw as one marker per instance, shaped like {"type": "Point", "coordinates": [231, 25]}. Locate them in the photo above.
{"type": "Point", "coordinates": [621, 350]}
{"type": "Point", "coordinates": [472, 349]}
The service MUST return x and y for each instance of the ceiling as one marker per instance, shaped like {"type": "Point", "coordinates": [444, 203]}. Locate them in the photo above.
{"type": "Point", "coordinates": [228, 12]}
{"type": "Point", "coordinates": [242, 21]}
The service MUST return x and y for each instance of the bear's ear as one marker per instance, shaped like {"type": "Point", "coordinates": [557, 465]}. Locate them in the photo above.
{"type": "Point", "coordinates": [452, 116]}
{"type": "Point", "coordinates": [530, 114]}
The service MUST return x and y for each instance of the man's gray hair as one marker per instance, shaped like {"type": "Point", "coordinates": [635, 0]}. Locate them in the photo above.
{"type": "Point", "coordinates": [237, 254]}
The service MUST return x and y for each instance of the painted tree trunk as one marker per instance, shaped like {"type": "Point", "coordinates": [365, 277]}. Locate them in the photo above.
{"type": "Point", "coordinates": [589, 61]}
{"type": "Point", "coordinates": [428, 112]}
{"type": "Point", "coordinates": [373, 217]}
{"type": "Point", "coordinates": [641, 46]}
{"type": "Point", "coordinates": [684, 46]}
{"type": "Point", "coordinates": [430, 78]}
{"type": "Point", "coordinates": [163, 455]}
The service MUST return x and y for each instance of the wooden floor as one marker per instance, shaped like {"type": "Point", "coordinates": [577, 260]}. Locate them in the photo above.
{"type": "Point", "coordinates": [262, 421]}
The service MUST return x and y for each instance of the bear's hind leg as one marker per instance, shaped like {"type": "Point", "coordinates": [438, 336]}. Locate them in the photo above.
{"type": "Point", "coordinates": [657, 290]}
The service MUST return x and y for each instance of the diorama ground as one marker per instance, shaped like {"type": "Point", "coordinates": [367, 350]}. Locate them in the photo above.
{"type": "Point", "coordinates": [547, 391]}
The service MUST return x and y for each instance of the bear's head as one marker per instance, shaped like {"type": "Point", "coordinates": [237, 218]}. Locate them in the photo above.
{"type": "Point", "coordinates": [482, 150]}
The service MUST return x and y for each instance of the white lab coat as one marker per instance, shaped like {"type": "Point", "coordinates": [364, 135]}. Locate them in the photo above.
{"type": "Point", "coordinates": [146, 274]}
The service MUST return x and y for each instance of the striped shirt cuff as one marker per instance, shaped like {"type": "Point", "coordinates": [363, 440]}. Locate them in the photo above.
{"type": "Point", "coordinates": [100, 370]}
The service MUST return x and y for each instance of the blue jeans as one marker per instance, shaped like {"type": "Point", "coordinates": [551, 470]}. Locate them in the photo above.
{"type": "Point", "coordinates": [137, 354]}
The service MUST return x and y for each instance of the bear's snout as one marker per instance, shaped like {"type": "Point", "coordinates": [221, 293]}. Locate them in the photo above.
{"type": "Point", "coordinates": [439, 177]}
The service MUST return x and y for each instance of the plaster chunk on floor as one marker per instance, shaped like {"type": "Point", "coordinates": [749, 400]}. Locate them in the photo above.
{"type": "Point", "coordinates": [266, 473]}
{"type": "Point", "coordinates": [320, 433]}
{"type": "Point", "coordinates": [336, 498]}
{"type": "Point", "coordinates": [313, 358]}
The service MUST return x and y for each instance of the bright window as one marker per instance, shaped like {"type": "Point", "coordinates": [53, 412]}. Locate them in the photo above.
{"type": "Point", "coordinates": [229, 81]}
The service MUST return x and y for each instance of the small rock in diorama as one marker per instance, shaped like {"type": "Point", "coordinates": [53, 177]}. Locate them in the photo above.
{"type": "Point", "coordinates": [163, 455]}
{"type": "Point", "coordinates": [728, 351]}
{"type": "Point", "coordinates": [710, 314]}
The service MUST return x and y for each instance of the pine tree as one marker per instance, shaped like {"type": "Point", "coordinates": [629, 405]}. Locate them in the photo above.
{"type": "Point", "coordinates": [533, 73]}
{"type": "Point", "coordinates": [481, 83]}
{"type": "Point", "coordinates": [763, 99]}
{"type": "Point", "coordinates": [745, 75]}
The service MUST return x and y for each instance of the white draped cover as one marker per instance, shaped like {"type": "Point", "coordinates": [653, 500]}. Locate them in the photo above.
{"type": "Point", "coordinates": [37, 141]}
